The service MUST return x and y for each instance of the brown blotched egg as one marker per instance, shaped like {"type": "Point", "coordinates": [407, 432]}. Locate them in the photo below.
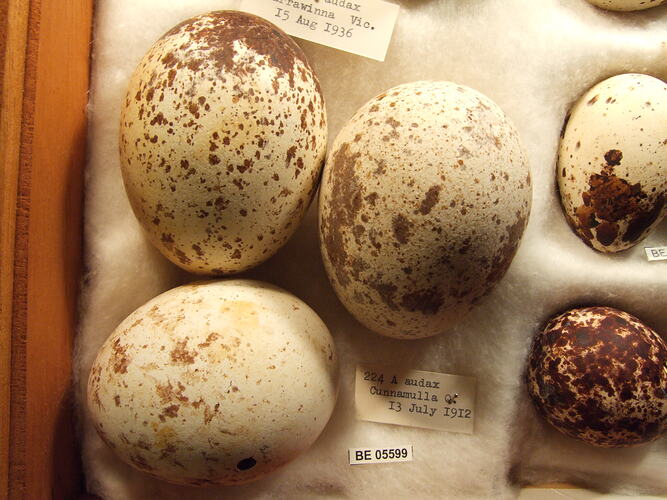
{"type": "Point", "coordinates": [223, 135]}
{"type": "Point", "coordinates": [423, 202]}
{"type": "Point", "coordinates": [612, 163]}
{"type": "Point", "coordinates": [214, 383]}
{"type": "Point", "coordinates": [600, 375]}
{"type": "Point", "coordinates": [626, 5]}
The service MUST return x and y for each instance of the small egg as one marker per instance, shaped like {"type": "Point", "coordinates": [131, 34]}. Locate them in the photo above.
{"type": "Point", "coordinates": [612, 162]}
{"type": "Point", "coordinates": [600, 375]}
{"type": "Point", "coordinates": [424, 199]}
{"type": "Point", "coordinates": [222, 139]}
{"type": "Point", "coordinates": [214, 383]}
{"type": "Point", "coordinates": [626, 5]}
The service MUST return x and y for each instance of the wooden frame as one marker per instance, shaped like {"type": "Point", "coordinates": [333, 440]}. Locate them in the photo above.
{"type": "Point", "coordinates": [45, 54]}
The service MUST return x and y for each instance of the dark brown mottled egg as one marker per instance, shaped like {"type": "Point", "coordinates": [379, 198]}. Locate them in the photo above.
{"type": "Point", "coordinates": [424, 199]}
{"type": "Point", "coordinates": [217, 382]}
{"type": "Point", "coordinates": [600, 375]}
{"type": "Point", "coordinates": [222, 138]}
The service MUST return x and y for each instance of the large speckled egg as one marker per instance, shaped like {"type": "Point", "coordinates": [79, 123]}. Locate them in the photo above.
{"type": "Point", "coordinates": [626, 5]}
{"type": "Point", "coordinates": [425, 195]}
{"type": "Point", "coordinates": [222, 138]}
{"type": "Point", "coordinates": [600, 375]}
{"type": "Point", "coordinates": [214, 383]}
{"type": "Point", "coordinates": [612, 163]}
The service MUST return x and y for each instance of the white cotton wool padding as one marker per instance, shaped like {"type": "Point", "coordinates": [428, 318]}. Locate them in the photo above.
{"type": "Point", "coordinates": [533, 58]}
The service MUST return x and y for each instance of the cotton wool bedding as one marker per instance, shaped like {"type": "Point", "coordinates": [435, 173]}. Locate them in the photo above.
{"type": "Point", "coordinates": [534, 59]}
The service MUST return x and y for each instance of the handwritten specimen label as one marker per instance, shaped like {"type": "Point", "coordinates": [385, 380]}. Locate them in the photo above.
{"type": "Point", "coordinates": [415, 398]}
{"type": "Point", "coordinates": [362, 27]}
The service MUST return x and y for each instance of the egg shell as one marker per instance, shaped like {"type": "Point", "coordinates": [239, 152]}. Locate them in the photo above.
{"type": "Point", "coordinates": [223, 135]}
{"type": "Point", "coordinates": [612, 163]}
{"type": "Point", "coordinates": [424, 198]}
{"type": "Point", "coordinates": [214, 382]}
{"type": "Point", "coordinates": [600, 375]}
{"type": "Point", "coordinates": [626, 5]}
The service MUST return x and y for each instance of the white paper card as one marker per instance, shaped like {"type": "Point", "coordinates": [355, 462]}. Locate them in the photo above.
{"type": "Point", "coordinates": [381, 455]}
{"type": "Point", "coordinates": [415, 398]}
{"type": "Point", "coordinates": [656, 253]}
{"type": "Point", "coordinates": [362, 27]}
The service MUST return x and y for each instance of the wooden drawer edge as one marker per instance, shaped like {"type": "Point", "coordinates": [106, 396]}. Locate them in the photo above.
{"type": "Point", "coordinates": [45, 60]}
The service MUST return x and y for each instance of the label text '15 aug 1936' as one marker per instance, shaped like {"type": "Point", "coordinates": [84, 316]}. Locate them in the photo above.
{"type": "Point", "coordinates": [362, 27]}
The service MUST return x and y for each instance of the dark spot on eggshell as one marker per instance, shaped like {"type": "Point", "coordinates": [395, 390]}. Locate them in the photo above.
{"type": "Point", "coordinates": [585, 220]}
{"type": "Point", "coordinates": [120, 359]}
{"type": "Point", "coordinates": [358, 231]}
{"type": "Point", "coordinates": [402, 227]}
{"type": "Point", "coordinates": [167, 239]}
{"type": "Point", "coordinates": [193, 109]}
{"type": "Point", "coordinates": [299, 167]}
{"type": "Point", "coordinates": [181, 354]}
{"type": "Point", "coordinates": [221, 203]}
{"type": "Point", "coordinates": [247, 164]}
{"type": "Point", "coordinates": [503, 257]}
{"type": "Point", "coordinates": [606, 233]}
{"type": "Point", "coordinates": [613, 157]}
{"type": "Point", "coordinates": [392, 122]}
{"type": "Point", "coordinates": [170, 411]}
{"type": "Point", "coordinates": [387, 292]}
{"type": "Point", "coordinates": [159, 119]}
{"type": "Point", "coordinates": [168, 393]}
{"type": "Point", "coordinates": [613, 209]}
{"type": "Point", "coordinates": [181, 256]}
{"type": "Point", "coordinates": [643, 220]}
{"type": "Point", "coordinates": [429, 201]}
{"type": "Point", "coordinates": [291, 153]}
{"type": "Point", "coordinates": [212, 337]}
{"type": "Point", "coordinates": [427, 301]}
{"type": "Point", "coordinates": [347, 189]}
{"type": "Point", "coordinates": [598, 374]}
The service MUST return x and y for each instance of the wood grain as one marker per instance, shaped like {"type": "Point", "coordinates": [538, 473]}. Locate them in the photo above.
{"type": "Point", "coordinates": [45, 197]}
{"type": "Point", "coordinates": [13, 35]}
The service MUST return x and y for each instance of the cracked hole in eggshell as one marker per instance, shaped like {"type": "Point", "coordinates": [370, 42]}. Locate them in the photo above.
{"type": "Point", "coordinates": [246, 463]}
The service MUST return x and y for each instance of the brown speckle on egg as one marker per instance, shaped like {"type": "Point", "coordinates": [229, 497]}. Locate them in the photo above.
{"type": "Point", "coordinates": [600, 375]}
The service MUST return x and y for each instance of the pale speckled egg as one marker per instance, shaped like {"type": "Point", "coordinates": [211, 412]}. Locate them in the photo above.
{"type": "Point", "coordinates": [222, 138]}
{"type": "Point", "coordinates": [600, 375]}
{"type": "Point", "coordinates": [424, 199]}
{"type": "Point", "coordinates": [626, 5]}
{"type": "Point", "coordinates": [612, 162]}
{"type": "Point", "coordinates": [214, 383]}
